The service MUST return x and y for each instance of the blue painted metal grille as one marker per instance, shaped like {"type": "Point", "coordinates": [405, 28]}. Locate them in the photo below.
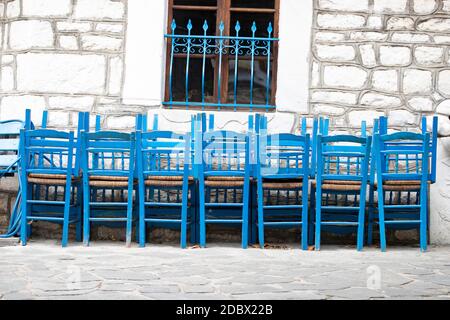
{"type": "Point", "coordinates": [204, 48]}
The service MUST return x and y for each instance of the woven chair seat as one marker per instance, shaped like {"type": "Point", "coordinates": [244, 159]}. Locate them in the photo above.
{"type": "Point", "coordinates": [108, 178]}
{"type": "Point", "coordinates": [174, 181]}
{"type": "Point", "coordinates": [338, 185]}
{"type": "Point", "coordinates": [280, 184]}
{"type": "Point", "coordinates": [49, 179]}
{"type": "Point", "coordinates": [224, 182]}
{"type": "Point", "coordinates": [401, 185]}
{"type": "Point", "coordinates": [219, 178]}
{"type": "Point", "coordinates": [109, 181]}
{"type": "Point", "coordinates": [168, 178]}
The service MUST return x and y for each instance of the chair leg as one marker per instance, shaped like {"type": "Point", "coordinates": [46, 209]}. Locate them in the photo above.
{"type": "Point", "coordinates": [245, 211]}
{"type": "Point", "coordinates": [381, 223]}
{"type": "Point", "coordinates": [311, 222]}
{"type": "Point", "coordinates": [370, 217]}
{"type": "Point", "coordinates": [142, 225]}
{"type": "Point", "coordinates": [260, 196]}
{"type": "Point", "coordinates": [65, 233]}
{"type": "Point", "coordinates": [86, 215]}
{"type": "Point", "coordinates": [184, 211]}
{"type": "Point", "coordinates": [423, 220]}
{"type": "Point", "coordinates": [318, 217]}
{"type": "Point", "coordinates": [79, 223]}
{"type": "Point", "coordinates": [193, 218]}
{"type": "Point", "coordinates": [24, 220]}
{"type": "Point", "coordinates": [361, 226]}
{"type": "Point", "coordinates": [202, 215]}
{"type": "Point", "coordinates": [129, 226]}
{"type": "Point", "coordinates": [305, 217]}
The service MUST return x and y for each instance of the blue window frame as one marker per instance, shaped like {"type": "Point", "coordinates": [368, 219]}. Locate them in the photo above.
{"type": "Point", "coordinates": [221, 55]}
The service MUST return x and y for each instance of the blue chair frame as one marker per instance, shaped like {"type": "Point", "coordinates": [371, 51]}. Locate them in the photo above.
{"type": "Point", "coordinates": [230, 150]}
{"type": "Point", "coordinates": [164, 164]}
{"type": "Point", "coordinates": [399, 158]}
{"type": "Point", "coordinates": [381, 127]}
{"type": "Point", "coordinates": [283, 164]}
{"type": "Point", "coordinates": [9, 163]}
{"type": "Point", "coordinates": [108, 156]}
{"type": "Point", "coordinates": [49, 153]}
{"type": "Point", "coordinates": [342, 170]}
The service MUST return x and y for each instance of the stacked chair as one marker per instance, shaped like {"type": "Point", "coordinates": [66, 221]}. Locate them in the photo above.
{"type": "Point", "coordinates": [403, 168]}
{"type": "Point", "coordinates": [166, 188]}
{"type": "Point", "coordinates": [313, 181]}
{"type": "Point", "coordinates": [50, 179]}
{"type": "Point", "coordinates": [9, 164]}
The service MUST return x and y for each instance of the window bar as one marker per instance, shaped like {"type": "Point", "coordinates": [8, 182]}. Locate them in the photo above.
{"type": "Point", "coordinates": [269, 35]}
{"type": "Point", "coordinates": [236, 62]}
{"type": "Point", "coordinates": [219, 85]}
{"type": "Point", "coordinates": [205, 42]}
{"type": "Point", "coordinates": [173, 40]}
{"type": "Point", "coordinates": [252, 68]}
{"type": "Point", "coordinates": [188, 58]}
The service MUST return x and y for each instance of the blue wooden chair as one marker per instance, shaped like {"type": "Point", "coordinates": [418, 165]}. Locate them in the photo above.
{"type": "Point", "coordinates": [381, 128]}
{"type": "Point", "coordinates": [222, 159]}
{"type": "Point", "coordinates": [108, 160]}
{"type": "Point", "coordinates": [9, 163]}
{"type": "Point", "coordinates": [403, 174]}
{"type": "Point", "coordinates": [48, 159]}
{"type": "Point", "coordinates": [165, 183]}
{"type": "Point", "coordinates": [339, 191]}
{"type": "Point", "coordinates": [283, 168]}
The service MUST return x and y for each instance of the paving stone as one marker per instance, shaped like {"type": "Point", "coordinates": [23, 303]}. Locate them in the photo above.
{"type": "Point", "coordinates": [159, 289]}
{"type": "Point", "coordinates": [109, 271]}
{"type": "Point", "coordinates": [198, 289]}
{"type": "Point", "coordinates": [355, 293]}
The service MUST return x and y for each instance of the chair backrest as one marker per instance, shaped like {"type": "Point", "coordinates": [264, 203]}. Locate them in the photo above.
{"type": "Point", "coordinates": [283, 156]}
{"type": "Point", "coordinates": [47, 151]}
{"type": "Point", "coordinates": [164, 153]}
{"type": "Point", "coordinates": [108, 153]}
{"type": "Point", "coordinates": [402, 156]}
{"type": "Point", "coordinates": [222, 153]}
{"type": "Point", "coordinates": [382, 129]}
{"type": "Point", "coordinates": [343, 157]}
{"type": "Point", "coordinates": [9, 145]}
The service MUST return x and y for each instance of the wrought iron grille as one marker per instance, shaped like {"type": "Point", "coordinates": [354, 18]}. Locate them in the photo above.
{"type": "Point", "coordinates": [237, 48]}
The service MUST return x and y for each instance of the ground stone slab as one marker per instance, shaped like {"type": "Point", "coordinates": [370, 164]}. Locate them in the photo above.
{"type": "Point", "coordinates": [43, 270]}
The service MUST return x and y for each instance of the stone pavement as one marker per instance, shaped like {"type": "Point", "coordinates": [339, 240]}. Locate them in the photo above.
{"type": "Point", "coordinates": [108, 270]}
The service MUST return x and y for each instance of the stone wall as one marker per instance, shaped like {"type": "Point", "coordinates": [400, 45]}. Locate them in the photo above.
{"type": "Point", "coordinates": [381, 57]}
{"type": "Point", "coordinates": [62, 55]}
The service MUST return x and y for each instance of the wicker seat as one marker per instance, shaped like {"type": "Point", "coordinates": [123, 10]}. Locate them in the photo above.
{"type": "Point", "coordinates": [401, 185]}
{"type": "Point", "coordinates": [283, 184]}
{"type": "Point", "coordinates": [49, 179]}
{"type": "Point", "coordinates": [224, 182]}
{"type": "Point", "coordinates": [109, 181]}
{"type": "Point", "coordinates": [339, 185]}
{"type": "Point", "coordinates": [167, 181]}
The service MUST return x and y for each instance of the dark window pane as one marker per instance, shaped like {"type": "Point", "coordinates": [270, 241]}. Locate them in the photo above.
{"type": "Point", "coordinates": [266, 4]}
{"type": "Point", "coordinates": [195, 80]}
{"type": "Point", "coordinates": [246, 21]}
{"type": "Point", "coordinates": [244, 81]}
{"type": "Point", "coordinates": [197, 18]}
{"type": "Point", "coordinates": [195, 3]}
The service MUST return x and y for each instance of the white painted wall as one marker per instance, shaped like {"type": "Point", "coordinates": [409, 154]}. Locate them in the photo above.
{"type": "Point", "coordinates": [145, 62]}
{"type": "Point", "coordinates": [144, 55]}
{"type": "Point", "coordinates": [293, 57]}
{"type": "Point", "coordinates": [440, 196]}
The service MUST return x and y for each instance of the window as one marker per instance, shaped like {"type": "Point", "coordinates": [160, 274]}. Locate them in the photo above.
{"type": "Point", "coordinates": [222, 54]}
